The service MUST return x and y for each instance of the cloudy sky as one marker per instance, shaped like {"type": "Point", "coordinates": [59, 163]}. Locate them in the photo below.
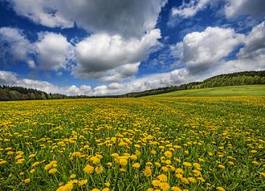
{"type": "Point", "coordinates": [104, 47]}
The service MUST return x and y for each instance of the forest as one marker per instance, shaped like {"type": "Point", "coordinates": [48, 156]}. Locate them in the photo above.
{"type": "Point", "coordinates": [8, 93]}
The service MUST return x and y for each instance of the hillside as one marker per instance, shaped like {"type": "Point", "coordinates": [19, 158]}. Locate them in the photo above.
{"type": "Point", "coordinates": [19, 93]}
{"type": "Point", "coordinates": [244, 90]}
{"type": "Point", "coordinates": [233, 79]}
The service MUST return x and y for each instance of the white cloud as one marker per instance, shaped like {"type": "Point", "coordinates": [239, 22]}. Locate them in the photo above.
{"type": "Point", "coordinates": [190, 9]}
{"type": "Point", "coordinates": [42, 12]}
{"type": "Point", "coordinates": [201, 50]}
{"type": "Point", "coordinates": [31, 64]}
{"type": "Point", "coordinates": [7, 78]}
{"type": "Point", "coordinates": [53, 51]}
{"type": "Point", "coordinates": [122, 36]}
{"type": "Point", "coordinates": [99, 56]}
{"type": "Point", "coordinates": [14, 45]}
{"type": "Point", "coordinates": [11, 79]}
{"type": "Point", "coordinates": [254, 8]}
{"type": "Point", "coordinates": [119, 73]}
{"type": "Point", "coordinates": [252, 55]}
{"type": "Point", "coordinates": [74, 90]}
{"type": "Point", "coordinates": [153, 81]}
{"type": "Point", "coordinates": [102, 54]}
{"type": "Point", "coordinates": [204, 53]}
{"type": "Point", "coordinates": [254, 43]}
{"type": "Point", "coordinates": [129, 18]}
{"type": "Point", "coordinates": [148, 82]}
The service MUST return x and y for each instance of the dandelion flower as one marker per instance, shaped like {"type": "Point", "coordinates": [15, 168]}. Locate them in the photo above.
{"type": "Point", "coordinates": [27, 181]}
{"type": "Point", "coordinates": [99, 169]}
{"type": "Point", "coordinates": [219, 188]}
{"type": "Point", "coordinates": [136, 165]}
{"type": "Point", "coordinates": [168, 154]}
{"type": "Point", "coordinates": [175, 188]}
{"type": "Point", "coordinates": [67, 187]}
{"type": "Point", "coordinates": [88, 169]}
{"type": "Point", "coordinates": [164, 186]}
{"type": "Point", "coordinates": [82, 182]}
{"type": "Point", "coordinates": [147, 171]}
{"type": "Point", "coordinates": [52, 171]}
{"type": "Point", "coordinates": [187, 164]}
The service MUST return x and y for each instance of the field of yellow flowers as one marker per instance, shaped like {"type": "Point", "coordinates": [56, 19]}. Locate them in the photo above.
{"type": "Point", "coordinates": [151, 143]}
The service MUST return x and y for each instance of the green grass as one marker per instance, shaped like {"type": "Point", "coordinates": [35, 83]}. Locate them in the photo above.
{"type": "Point", "coordinates": [197, 143]}
{"type": "Point", "coordinates": [247, 90]}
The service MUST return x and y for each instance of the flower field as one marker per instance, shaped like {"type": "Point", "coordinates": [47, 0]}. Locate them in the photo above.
{"type": "Point", "coordinates": [151, 143]}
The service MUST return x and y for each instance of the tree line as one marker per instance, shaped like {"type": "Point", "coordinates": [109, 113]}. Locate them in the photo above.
{"type": "Point", "coordinates": [8, 93]}
{"type": "Point", "coordinates": [232, 79]}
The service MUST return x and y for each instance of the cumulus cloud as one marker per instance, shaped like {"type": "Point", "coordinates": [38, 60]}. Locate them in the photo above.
{"type": "Point", "coordinates": [42, 12]}
{"type": "Point", "coordinates": [14, 45]}
{"type": "Point", "coordinates": [252, 55]}
{"type": "Point", "coordinates": [99, 56]}
{"type": "Point", "coordinates": [75, 90]}
{"type": "Point", "coordinates": [190, 9]}
{"type": "Point", "coordinates": [53, 51]}
{"type": "Point", "coordinates": [201, 50]}
{"type": "Point", "coordinates": [174, 77]}
{"type": "Point", "coordinates": [254, 43]}
{"type": "Point", "coordinates": [129, 18]}
{"type": "Point", "coordinates": [254, 8]}
{"type": "Point", "coordinates": [119, 73]}
{"type": "Point", "coordinates": [122, 35]}
{"type": "Point", "coordinates": [7, 78]}
{"type": "Point", "coordinates": [232, 8]}
{"type": "Point", "coordinates": [11, 79]}
{"type": "Point", "coordinates": [102, 54]}
{"type": "Point", "coordinates": [207, 53]}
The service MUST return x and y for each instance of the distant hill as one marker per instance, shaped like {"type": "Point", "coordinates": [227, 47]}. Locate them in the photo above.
{"type": "Point", "coordinates": [8, 93]}
{"type": "Point", "coordinates": [232, 79]}
{"type": "Point", "coordinates": [242, 90]}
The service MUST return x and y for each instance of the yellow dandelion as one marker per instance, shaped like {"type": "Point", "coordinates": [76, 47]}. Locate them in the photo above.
{"type": "Point", "coordinates": [52, 171]}
{"type": "Point", "coordinates": [95, 189]}
{"type": "Point", "coordinates": [95, 160]}
{"type": "Point", "coordinates": [82, 182]}
{"type": "Point", "coordinates": [168, 154]}
{"type": "Point", "coordinates": [105, 189]}
{"type": "Point", "coordinates": [176, 188]}
{"type": "Point", "coordinates": [147, 171]}
{"type": "Point", "coordinates": [164, 186]}
{"type": "Point", "coordinates": [26, 181]}
{"type": "Point", "coordinates": [67, 187]}
{"type": "Point", "coordinates": [162, 177]}
{"type": "Point", "coordinates": [221, 166]}
{"type": "Point", "coordinates": [136, 165]}
{"type": "Point", "coordinates": [219, 188]}
{"type": "Point", "coordinates": [155, 183]}
{"type": "Point", "coordinates": [187, 164]}
{"type": "Point", "coordinates": [99, 169]}
{"type": "Point", "coordinates": [133, 157]}
{"type": "Point", "coordinates": [123, 162]}
{"type": "Point", "coordinates": [88, 169]}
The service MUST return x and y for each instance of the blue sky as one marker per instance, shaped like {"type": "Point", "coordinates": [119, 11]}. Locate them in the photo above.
{"type": "Point", "coordinates": [99, 47]}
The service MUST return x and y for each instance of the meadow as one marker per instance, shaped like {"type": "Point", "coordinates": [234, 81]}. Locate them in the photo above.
{"type": "Point", "coordinates": [168, 142]}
